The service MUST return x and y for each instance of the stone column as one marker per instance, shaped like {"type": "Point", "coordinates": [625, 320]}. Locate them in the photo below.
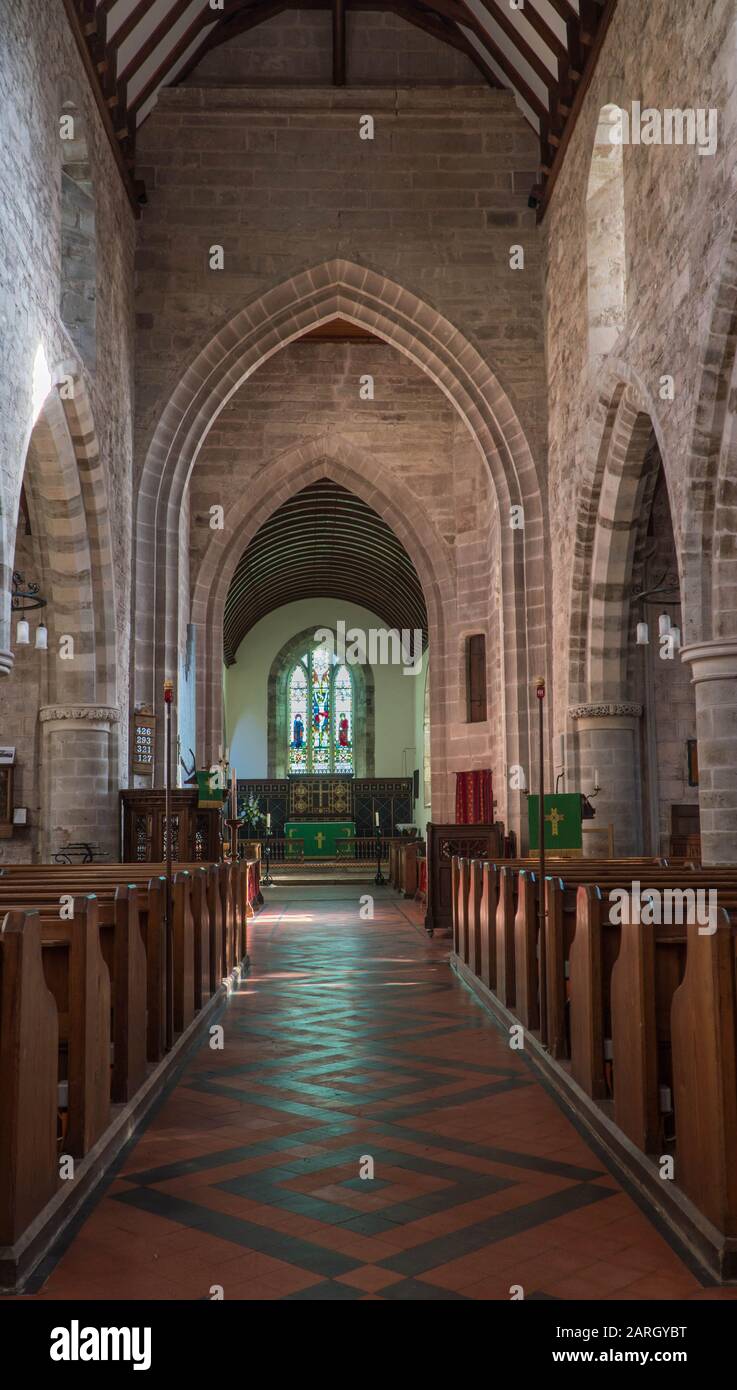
{"type": "Point", "coordinates": [714, 677]}
{"type": "Point", "coordinates": [79, 777]}
{"type": "Point", "coordinates": [607, 741]}
{"type": "Point", "coordinates": [6, 655]}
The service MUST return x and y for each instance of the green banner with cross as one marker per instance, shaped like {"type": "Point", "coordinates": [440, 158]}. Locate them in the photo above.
{"type": "Point", "coordinates": [562, 822]}
{"type": "Point", "coordinates": [320, 837]}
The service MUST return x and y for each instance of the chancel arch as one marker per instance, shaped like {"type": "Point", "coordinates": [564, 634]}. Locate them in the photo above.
{"type": "Point", "coordinates": [333, 467]}
{"type": "Point", "coordinates": [281, 316]}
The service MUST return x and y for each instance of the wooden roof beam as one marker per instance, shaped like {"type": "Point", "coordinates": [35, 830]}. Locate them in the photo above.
{"type": "Point", "coordinates": [533, 59]}
{"type": "Point", "coordinates": [339, 63]}
{"type": "Point", "coordinates": [457, 11]}
{"type": "Point", "coordinates": [172, 16]}
{"type": "Point", "coordinates": [445, 32]}
{"type": "Point", "coordinates": [222, 32]}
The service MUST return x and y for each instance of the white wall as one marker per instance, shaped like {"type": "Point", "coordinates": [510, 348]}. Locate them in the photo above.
{"type": "Point", "coordinates": [246, 686]}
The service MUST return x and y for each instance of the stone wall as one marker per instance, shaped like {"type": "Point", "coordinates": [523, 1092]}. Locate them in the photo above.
{"type": "Point", "coordinates": [282, 181]}
{"type": "Point", "coordinates": [679, 223]}
{"type": "Point", "coordinates": [41, 76]}
{"type": "Point", "coordinates": [297, 46]}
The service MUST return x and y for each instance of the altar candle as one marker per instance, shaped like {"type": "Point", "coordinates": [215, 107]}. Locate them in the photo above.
{"type": "Point", "coordinates": [376, 818]}
{"type": "Point", "coordinates": [233, 794]}
{"type": "Point", "coordinates": [596, 777]}
{"type": "Point", "coordinates": [268, 820]}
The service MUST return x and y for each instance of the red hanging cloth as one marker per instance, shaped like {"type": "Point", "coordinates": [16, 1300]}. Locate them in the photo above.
{"type": "Point", "coordinates": [474, 798]}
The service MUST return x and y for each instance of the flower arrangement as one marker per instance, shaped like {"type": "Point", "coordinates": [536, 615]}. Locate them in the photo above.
{"type": "Point", "coordinates": [251, 812]}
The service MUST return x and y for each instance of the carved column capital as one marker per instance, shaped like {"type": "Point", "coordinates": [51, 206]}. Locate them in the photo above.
{"type": "Point", "coordinates": [79, 714]}
{"type": "Point", "coordinates": [711, 661]}
{"type": "Point", "coordinates": [624, 709]}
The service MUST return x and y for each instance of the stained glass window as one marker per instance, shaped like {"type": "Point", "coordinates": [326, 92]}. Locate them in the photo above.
{"type": "Point", "coordinates": [320, 715]}
{"type": "Point", "coordinates": [343, 728]}
{"type": "Point", "coordinates": [321, 691]}
{"type": "Point", "coordinates": [298, 724]}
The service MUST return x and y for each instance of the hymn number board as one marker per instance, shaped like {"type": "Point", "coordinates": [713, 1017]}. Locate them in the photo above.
{"type": "Point", "coordinates": [143, 743]}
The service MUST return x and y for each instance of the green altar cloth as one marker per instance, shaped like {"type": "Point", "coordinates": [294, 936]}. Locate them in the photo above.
{"type": "Point", "coordinates": [562, 822]}
{"type": "Point", "coordinates": [320, 837]}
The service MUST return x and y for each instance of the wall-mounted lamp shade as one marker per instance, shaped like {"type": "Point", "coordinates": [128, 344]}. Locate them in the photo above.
{"type": "Point", "coordinates": [664, 624]}
{"type": "Point", "coordinates": [22, 633]}
{"type": "Point", "coordinates": [643, 635]}
{"type": "Point", "coordinates": [675, 635]}
{"type": "Point", "coordinates": [42, 638]}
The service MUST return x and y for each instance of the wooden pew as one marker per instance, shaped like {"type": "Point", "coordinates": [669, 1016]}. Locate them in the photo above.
{"type": "Point", "coordinates": [473, 914]}
{"type": "Point", "coordinates": [641, 1008]}
{"type": "Point", "coordinates": [704, 1033]}
{"type": "Point", "coordinates": [526, 947]}
{"type": "Point", "coordinates": [82, 1006]}
{"type": "Point", "coordinates": [80, 985]}
{"type": "Point", "coordinates": [487, 924]}
{"type": "Point", "coordinates": [505, 934]}
{"type": "Point", "coordinates": [29, 1049]}
{"type": "Point", "coordinates": [463, 881]}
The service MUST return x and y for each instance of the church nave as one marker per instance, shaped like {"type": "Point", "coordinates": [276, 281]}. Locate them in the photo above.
{"type": "Point", "coordinates": [349, 1040]}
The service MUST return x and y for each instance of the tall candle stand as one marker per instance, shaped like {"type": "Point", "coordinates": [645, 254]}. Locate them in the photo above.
{"type": "Point", "coordinates": [379, 880]}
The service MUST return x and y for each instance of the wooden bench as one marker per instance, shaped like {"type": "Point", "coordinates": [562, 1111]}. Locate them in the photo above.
{"type": "Point", "coordinates": [96, 956]}
{"type": "Point", "coordinates": [642, 1017]}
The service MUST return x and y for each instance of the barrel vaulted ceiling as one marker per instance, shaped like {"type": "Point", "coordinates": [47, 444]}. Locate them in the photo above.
{"type": "Point", "coordinates": [543, 50]}
{"type": "Point", "coordinates": [324, 542]}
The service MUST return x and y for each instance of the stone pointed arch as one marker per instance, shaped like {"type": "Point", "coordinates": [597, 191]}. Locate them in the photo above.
{"type": "Point", "coordinates": [625, 415]}
{"type": "Point", "coordinates": [328, 456]}
{"type": "Point", "coordinates": [68, 505]}
{"type": "Point", "coordinates": [340, 288]}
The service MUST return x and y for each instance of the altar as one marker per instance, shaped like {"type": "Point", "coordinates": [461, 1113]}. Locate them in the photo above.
{"type": "Point", "coordinates": [320, 838]}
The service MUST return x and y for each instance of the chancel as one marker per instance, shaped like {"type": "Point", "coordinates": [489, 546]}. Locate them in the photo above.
{"type": "Point", "coordinates": [368, 660]}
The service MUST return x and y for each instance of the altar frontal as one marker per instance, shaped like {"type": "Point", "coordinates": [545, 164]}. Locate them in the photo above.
{"type": "Point", "coordinates": [321, 838]}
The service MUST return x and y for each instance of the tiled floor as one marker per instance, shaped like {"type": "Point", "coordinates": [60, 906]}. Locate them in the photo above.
{"type": "Point", "coordinates": [351, 1044]}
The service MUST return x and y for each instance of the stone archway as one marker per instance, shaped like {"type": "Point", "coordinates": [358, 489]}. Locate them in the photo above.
{"type": "Point", "coordinates": [605, 699]}
{"type": "Point", "coordinates": [361, 473]}
{"type": "Point", "coordinates": [74, 753]}
{"type": "Point", "coordinates": [342, 289]}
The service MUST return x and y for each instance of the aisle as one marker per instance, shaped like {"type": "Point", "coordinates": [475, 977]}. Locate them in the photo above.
{"type": "Point", "coordinates": [351, 1042]}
